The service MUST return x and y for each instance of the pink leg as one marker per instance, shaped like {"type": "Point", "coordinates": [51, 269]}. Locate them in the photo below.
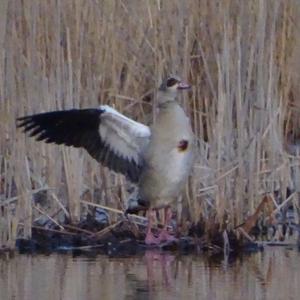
{"type": "Point", "coordinates": [150, 238]}
{"type": "Point", "coordinates": [164, 236]}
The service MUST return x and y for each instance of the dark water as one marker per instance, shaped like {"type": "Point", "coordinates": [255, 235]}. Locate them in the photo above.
{"type": "Point", "coordinates": [272, 274]}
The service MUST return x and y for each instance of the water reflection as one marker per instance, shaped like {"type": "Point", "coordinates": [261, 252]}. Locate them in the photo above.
{"type": "Point", "coordinates": [164, 261]}
{"type": "Point", "coordinates": [272, 274]}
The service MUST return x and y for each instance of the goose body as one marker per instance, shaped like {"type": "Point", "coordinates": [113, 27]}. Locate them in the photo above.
{"type": "Point", "coordinates": [158, 159]}
{"type": "Point", "coordinates": [168, 162]}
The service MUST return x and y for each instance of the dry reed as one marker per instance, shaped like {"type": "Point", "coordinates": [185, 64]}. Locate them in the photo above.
{"type": "Point", "coordinates": [240, 56]}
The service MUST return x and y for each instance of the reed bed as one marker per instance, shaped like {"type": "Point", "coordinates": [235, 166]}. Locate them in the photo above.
{"type": "Point", "coordinates": [242, 58]}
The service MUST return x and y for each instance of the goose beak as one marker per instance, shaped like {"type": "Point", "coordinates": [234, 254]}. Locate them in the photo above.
{"type": "Point", "coordinates": [183, 86]}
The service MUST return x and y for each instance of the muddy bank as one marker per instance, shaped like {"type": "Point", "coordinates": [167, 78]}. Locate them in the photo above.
{"type": "Point", "coordinates": [125, 235]}
{"type": "Point", "coordinates": [125, 238]}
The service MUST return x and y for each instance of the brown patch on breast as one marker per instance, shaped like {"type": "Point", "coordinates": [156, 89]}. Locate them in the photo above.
{"type": "Point", "coordinates": [182, 145]}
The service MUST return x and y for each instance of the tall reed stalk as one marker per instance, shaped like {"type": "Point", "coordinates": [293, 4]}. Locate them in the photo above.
{"type": "Point", "coordinates": [242, 58]}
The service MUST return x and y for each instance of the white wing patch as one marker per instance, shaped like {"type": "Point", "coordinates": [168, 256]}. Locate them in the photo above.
{"type": "Point", "coordinates": [124, 136]}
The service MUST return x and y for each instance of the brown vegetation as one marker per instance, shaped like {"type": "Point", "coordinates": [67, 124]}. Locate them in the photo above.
{"type": "Point", "coordinates": [240, 56]}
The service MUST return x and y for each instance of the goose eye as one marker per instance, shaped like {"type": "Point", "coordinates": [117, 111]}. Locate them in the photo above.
{"type": "Point", "coordinates": [171, 82]}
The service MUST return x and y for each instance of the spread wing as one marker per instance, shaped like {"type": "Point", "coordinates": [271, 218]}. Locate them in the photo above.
{"type": "Point", "coordinates": [108, 136]}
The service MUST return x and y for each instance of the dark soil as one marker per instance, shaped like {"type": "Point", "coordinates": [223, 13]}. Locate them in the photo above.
{"type": "Point", "coordinates": [121, 239]}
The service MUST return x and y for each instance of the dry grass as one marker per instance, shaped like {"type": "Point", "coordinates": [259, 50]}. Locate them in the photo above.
{"type": "Point", "coordinates": [240, 56]}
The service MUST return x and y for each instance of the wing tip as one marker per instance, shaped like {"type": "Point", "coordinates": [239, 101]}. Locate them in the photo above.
{"type": "Point", "coordinates": [23, 121]}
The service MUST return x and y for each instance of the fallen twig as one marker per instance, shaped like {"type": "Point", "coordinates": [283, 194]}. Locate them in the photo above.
{"type": "Point", "coordinates": [275, 243]}
{"type": "Point", "coordinates": [103, 207]}
{"type": "Point", "coordinates": [49, 217]}
{"type": "Point", "coordinates": [134, 218]}
{"type": "Point", "coordinates": [82, 247]}
{"type": "Point", "coordinates": [283, 203]}
{"type": "Point", "coordinates": [245, 234]}
{"type": "Point", "coordinates": [53, 230]}
{"type": "Point", "coordinates": [60, 204]}
{"type": "Point", "coordinates": [12, 199]}
{"type": "Point", "coordinates": [79, 229]}
{"type": "Point", "coordinates": [106, 229]}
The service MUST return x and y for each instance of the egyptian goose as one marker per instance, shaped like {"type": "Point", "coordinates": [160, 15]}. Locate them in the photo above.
{"type": "Point", "coordinates": [158, 159]}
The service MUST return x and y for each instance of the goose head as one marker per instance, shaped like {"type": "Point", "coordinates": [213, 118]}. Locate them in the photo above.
{"type": "Point", "coordinates": [169, 89]}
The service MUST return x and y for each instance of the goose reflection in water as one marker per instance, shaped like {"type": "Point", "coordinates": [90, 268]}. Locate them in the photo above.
{"type": "Point", "coordinates": [155, 262]}
{"type": "Point", "coordinates": [158, 275]}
